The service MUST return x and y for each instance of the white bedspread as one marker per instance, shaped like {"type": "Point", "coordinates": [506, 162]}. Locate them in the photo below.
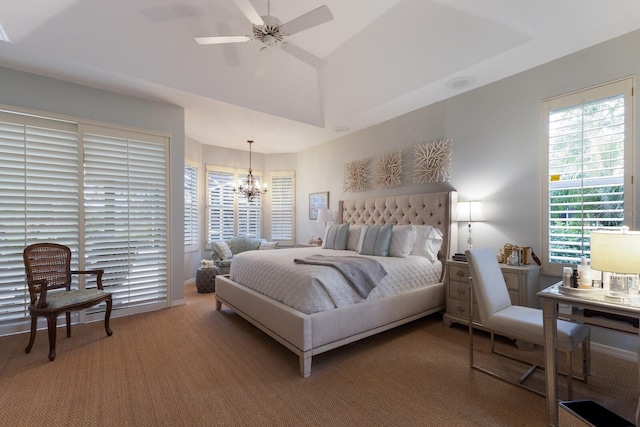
{"type": "Point", "coordinates": [311, 288]}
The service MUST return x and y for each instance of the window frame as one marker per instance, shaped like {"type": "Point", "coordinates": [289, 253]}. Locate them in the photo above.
{"type": "Point", "coordinates": [623, 86]}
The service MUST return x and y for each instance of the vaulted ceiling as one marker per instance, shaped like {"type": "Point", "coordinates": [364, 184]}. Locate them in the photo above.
{"type": "Point", "coordinates": [383, 58]}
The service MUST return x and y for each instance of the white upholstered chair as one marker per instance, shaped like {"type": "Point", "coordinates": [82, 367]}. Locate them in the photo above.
{"type": "Point", "coordinates": [498, 316]}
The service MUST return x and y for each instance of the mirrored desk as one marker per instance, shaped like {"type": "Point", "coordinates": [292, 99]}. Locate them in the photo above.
{"type": "Point", "coordinates": [587, 299]}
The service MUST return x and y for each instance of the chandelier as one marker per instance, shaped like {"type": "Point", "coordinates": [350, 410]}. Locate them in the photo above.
{"type": "Point", "coordinates": [251, 186]}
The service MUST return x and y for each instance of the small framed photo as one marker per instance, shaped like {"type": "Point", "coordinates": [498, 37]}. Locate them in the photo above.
{"type": "Point", "coordinates": [317, 201]}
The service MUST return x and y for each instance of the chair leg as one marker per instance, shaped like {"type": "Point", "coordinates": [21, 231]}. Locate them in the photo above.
{"type": "Point", "coordinates": [51, 325]}
{"type": "Point", "coordinates": [107, 316]}
{"type": "Point", "coordinates": [32, 336]}
{"type": "Point", "coordinates": [569, 375]}
{"type": "Point", "coordinates": [68, 318]}
{"type": "Point", "coordinates": [586, 357]}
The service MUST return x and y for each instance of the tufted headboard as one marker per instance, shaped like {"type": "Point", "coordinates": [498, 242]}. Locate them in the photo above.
{"type": "Point", "coordinates": [434, 209]}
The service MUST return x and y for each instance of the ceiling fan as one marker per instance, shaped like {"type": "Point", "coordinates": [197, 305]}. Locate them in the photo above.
{"type": "Point", "coordinates": [273, 33]}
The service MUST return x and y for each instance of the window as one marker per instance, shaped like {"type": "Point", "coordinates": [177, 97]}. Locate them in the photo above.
{"type": "Point", "coordinates": [228, 214]}
{"type": "Point", "coordinates": [100, 191]}
{"type": "Point", "coordinates": [588, 155]}
{"type": "Point", "coordinates": [191, 206]}
{"type": "Point", "coordinates": [283, 207]}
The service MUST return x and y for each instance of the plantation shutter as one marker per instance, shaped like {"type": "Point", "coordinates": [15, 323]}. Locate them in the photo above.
{"type": "Point", "coordinates": [220, 205]}
{"type": "Point", "coordinates": [588, 154]}
{"type": "Point", "coordinates": [39, 192]}
{"type": "Point", "coordinates": [125, 190]}
{"type": "Point", "coordinates": [249, 216]}
{"type": "Point", "coordinates": [190, 205]}
{"type": "Point", "coordinates": [282, 207]}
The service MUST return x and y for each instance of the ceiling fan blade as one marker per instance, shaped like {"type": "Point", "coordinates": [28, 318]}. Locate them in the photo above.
{"type": "Point", "coordinates": [249, 11]}
{"type": "Point", "coordinates": [310, 19]}
{"type": "Point", "coordinates": [304, 55]}
{"type": "Point", "coordinates": [261, 63]}
{"type": "Point", "coordinates": [223, 39]}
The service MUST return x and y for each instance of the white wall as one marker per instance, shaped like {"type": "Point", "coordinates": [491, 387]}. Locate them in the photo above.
{"type": "Point", "coordinates": [497, 134]}
{"type": "Point", "coordinates": [55, 96]}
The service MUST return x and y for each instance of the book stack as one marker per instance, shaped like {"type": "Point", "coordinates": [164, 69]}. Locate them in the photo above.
{"type": "Point", "coordinates": [459, 257]}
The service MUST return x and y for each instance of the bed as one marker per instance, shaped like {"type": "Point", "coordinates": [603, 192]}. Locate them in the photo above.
{"type": "Point", "coordinates": [309, 327]}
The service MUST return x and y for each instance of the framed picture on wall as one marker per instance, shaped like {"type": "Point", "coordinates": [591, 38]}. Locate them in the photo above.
{"type": "Point", "coordinates": [317, 201]}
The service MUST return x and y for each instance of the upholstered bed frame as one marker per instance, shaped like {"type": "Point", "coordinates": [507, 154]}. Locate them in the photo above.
{"type": "Point", "coordinates": [311, 334]}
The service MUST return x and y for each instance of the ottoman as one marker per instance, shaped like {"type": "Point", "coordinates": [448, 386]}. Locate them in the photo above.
{"type": "Point", "coordinates": [206, 279]}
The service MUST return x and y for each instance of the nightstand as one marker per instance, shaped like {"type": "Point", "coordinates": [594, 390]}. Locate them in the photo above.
{"type": "Point", "coordinates": [523, 283]}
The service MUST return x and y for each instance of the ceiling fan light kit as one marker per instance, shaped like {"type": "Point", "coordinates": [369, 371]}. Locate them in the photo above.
{"type": "Point", "coordinates": [272, 33]}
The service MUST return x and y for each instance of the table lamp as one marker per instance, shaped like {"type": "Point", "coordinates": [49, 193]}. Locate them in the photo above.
{"type": "Point", "coordinates": [618, 253]}
{"type": "Point", "coordinates": [470, 211]}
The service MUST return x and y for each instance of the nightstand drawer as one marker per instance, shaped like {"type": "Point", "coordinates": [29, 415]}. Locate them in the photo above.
{"type": "Point", "coordinates": [512, 280]}
{"type": "Point", "coordinates": [460, 309]}
{"type": "Point", "coordinates": [459, 273]}
{"type": "Point", "coordinates": [458, 290]}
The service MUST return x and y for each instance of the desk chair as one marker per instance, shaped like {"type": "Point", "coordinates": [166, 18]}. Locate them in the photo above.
{"type": "Point", "coordinates": [498, 316]}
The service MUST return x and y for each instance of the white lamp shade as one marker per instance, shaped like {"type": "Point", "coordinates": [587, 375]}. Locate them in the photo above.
{"type": "Point", "coordinates": [470, 211]}
{"type": "Point", "coordinates": [615, 251]}
{"type": "Point", "coordinates": [325, 215]}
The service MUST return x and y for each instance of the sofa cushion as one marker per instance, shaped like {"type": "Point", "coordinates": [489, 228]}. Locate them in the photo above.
{"type": "Point", "coordinates": [223, 249]}
{"type": "Point", "coordinates": [241, 244]}
{"type": "Point", "coordinates": [268, 245]}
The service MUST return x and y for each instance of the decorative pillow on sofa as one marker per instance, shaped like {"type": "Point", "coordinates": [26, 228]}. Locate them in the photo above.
{"type": "Point", "coordinates": [268, 245]}
{"type": "Point", "coordinates": [403, 237]}
{"type": "Point", "coordinates": [335, 237]}
{"type": "Point", "coordinates": [375, 240]}
{"type": "Point", "coordinates": [223, 249]}
{"type": "Point", "coordinates": [428, 242]}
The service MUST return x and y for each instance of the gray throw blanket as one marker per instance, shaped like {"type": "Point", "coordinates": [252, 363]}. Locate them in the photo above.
{"type": "Point", "coordinates": [362, 274]}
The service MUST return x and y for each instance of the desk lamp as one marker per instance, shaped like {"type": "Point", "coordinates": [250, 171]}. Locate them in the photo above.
{"type": "Point", "coordinates": [617, 252]}
{"type": "Point", "coordinates": [470, 211]}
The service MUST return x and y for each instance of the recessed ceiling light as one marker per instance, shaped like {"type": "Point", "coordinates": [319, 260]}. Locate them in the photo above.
{"type": "Point", "coordinates": [340, 129]}
{"type": "Point", "coordinates": [460, 82]}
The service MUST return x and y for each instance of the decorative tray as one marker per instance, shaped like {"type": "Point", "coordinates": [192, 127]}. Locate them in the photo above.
{"type": "Point", "coordinates": [580, 291]}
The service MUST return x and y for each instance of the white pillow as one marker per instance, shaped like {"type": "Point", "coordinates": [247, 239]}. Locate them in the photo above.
{"type": "Point", "coordinates": [428, 242]}
{"type": "Point", "coordinates": [223, 249]}
{"type": "Point", "coordinates": [354, 237]}
{"type": "Point", "coordinates": [403, 237]}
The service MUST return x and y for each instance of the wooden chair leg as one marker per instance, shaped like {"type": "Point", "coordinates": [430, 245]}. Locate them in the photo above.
{"type": "Point", "coordinates": [51, 325]}
{"type": "Point", "coordinates": [32, 336]}
{"type": "Point", "coordinates": [68, 318]}
{"type": "Point", "coordinates": [107, 316]}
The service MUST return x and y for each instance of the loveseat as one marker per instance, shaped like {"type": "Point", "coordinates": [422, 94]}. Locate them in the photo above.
{"type": "Point", "coordinates": [224, 250]}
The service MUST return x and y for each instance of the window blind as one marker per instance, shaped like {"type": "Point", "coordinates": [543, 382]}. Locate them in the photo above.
{"type": "Point", "coordinates": [39, 192]}
{"type": "Point", "coordinates": [220, 205]}
{"type": "Point", "coordinates": [283, 207]}
{"type": "Point", "coordinates": [190, 205]}
{"type": "Point", "coordinates": [229, 214]}
{"type": "Point", "coordinates": [125, 212]}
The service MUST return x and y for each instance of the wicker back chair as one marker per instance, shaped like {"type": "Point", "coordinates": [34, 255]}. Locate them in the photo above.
{"type": "Point", "coordinates": [48, 270]}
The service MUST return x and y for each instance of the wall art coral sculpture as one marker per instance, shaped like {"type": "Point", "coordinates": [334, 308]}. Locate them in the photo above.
{"type": "Point", "coordinates": [433, 161]}
{"type": "Point", "coordinates": [355, 175]}
{"type": "Point", "coordinates": [388, 170]}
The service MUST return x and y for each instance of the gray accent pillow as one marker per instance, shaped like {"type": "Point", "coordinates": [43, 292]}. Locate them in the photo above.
{"type": "Point", "coordinates": [336, 237]}
{"type": "Point", "coordinates": [375, 240]}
